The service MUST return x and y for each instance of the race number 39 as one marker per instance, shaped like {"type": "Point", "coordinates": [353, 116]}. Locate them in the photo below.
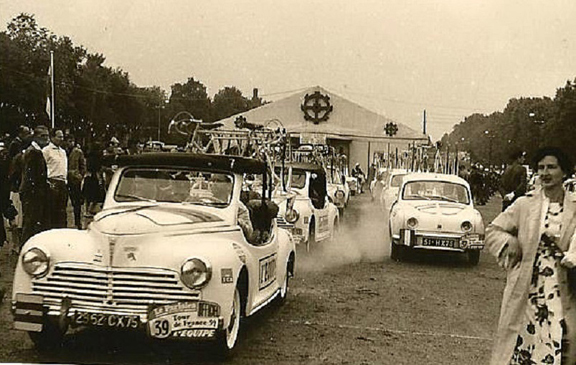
{"type": "Point", "coordinates": [160, 328]}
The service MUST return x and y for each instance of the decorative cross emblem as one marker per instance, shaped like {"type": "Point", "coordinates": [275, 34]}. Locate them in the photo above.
{"type": "Point", "coordinates": [391, 129]}
{"type": "Point", "coordinates": [316, 107]}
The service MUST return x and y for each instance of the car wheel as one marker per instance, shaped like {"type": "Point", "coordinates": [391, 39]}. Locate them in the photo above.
{"type": "Point", "coordinates": [311, 243]}
{"type": "Point", "coordinates": [227, 338]}
{"type": "Point", "coordinates": [284, 288]}
{"type": "Point", "coordinates": [474, 257]}
{"type": "Point", "coordinates": [396, 251]}
{"type": "Point", "coordinates": [49, 339]}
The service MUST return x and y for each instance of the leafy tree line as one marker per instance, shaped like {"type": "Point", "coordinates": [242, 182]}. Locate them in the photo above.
{"type": "Point", "coordinates": [93, 101]}
{"type": "Point", "coordinates": [525, 124]}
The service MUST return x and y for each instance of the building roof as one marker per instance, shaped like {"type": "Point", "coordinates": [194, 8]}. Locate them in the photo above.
{"type": "Point", "coordinates": [347, 120]}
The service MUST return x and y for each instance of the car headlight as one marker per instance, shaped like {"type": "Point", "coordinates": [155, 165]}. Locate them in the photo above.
{"type": "Point", "coordinates": [412, 222]}
{"type": "Point", "coordinates": [466, 226]}
{"type": "Point", "coordinates": [291, 216]}
{"type": "Point", "coordinates": [35, 262]}
{"type": "Point", "coordinates": [195, 273]}
{"type": "Point", "coordinates": [339, 194]}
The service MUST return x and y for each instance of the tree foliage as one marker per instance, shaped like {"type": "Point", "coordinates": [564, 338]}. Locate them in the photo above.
{"type": "Point", "coordinates": [92, 100]}
{"type": "Point", "coordinates": [525, 124]}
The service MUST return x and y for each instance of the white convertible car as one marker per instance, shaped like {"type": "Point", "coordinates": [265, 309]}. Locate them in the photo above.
{"type": "Point", "coordinates": [435, 212]}
{"type": "Point", "coordinates": [305, 208]}
{"type": "Point", "coordinates": [168, 255]}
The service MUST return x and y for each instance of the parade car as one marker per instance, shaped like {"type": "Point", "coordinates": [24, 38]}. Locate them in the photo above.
{"type": "Point", "coordinates": [392, 179]}
{"type": "Point", "coordinates": [305, 208]}
{"type": "Point", "coordinates": [167, 255]}
{"type": "Point", "coordinates": [435, 212]}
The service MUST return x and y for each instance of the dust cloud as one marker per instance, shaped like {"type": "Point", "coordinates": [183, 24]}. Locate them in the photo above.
{"type": "Point", "coordinates": [361, 237]}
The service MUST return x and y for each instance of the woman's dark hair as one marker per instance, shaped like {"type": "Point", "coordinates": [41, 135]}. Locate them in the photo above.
{"type": "Point", "coordinates": [563, 159]}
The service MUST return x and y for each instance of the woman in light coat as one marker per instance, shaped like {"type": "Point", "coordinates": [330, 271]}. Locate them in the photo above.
{"type": "Point", "coordinates": [538, 314]}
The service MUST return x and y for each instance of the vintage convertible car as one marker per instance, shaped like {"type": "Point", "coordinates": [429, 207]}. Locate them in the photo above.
{"type": "Point", "coordinates": [435, 212]}
{"type": "Point", "coordinates": [305, 208]}
{"type": "Point", "coordinates": [168, 255]}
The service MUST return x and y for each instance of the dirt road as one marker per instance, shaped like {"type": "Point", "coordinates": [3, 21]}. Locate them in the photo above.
{"type": "Point", "coordinates": [349, 304]}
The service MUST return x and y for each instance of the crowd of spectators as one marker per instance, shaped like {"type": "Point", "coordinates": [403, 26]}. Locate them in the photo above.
{"type": "Point", "coordinates": [42, 172]}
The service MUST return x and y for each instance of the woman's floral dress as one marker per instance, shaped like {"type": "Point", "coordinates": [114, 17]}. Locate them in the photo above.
{"type": "Point", "coordinates": [540, 338]}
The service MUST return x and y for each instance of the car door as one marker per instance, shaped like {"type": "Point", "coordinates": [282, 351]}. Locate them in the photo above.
{"type": "Point", "coordinates": [264, 278]}
{"type": "Point", "coordinates": [320, 206]}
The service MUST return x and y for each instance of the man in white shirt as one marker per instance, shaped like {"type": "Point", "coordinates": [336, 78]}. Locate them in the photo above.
{"type": "Point", "coordinates": [57, 165]}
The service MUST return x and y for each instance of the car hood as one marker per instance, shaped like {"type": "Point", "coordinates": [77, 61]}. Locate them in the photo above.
{"type": "Point", "coordinates": [444, 208]}
{"type": "Point", "coordinates": [151, 218]}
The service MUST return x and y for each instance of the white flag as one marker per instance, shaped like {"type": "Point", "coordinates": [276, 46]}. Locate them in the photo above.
{"type": "Point", "coordinates": [48, 107]}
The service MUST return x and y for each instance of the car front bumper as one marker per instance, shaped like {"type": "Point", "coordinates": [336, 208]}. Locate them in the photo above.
{"type": "Point", "coordinates": [181, 320]}
{"type": "Point", "coordinates": [442, 241]}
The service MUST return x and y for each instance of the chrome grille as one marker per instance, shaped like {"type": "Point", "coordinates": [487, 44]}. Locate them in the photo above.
{"type": "Point", "coordinates": [90, 286]}
{"type": "Point", "coordinates": [281, 223]}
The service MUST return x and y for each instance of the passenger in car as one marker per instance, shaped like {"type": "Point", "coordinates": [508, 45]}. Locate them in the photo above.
{"type": "Point", "coordinates": [221, 188]}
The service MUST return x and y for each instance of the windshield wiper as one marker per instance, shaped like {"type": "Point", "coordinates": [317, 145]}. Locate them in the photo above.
{"type": "Point", "coordinates": [418, 196]}
{"type": "Point", "coordinates": [136, 197]}
{"type": "Point", "coordinates": [442, 197]}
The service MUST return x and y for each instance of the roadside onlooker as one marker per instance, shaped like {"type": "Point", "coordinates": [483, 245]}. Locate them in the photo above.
{"type": "Point", "coordinates": [76, 172]}
{"type": "Point", "coordinates": [57, 165]}
{"type": "Point", "coordinates": [513, 183]}
{"type": "Point", "coordinates": [134, 147]}
{"type": "Point", "coordinates": [17, 143]}
{"type": "Point", "coordinates": [93, 186]}
{"type": "Point", "coordinates": [15, 181]}
{"type": "Point", "coordinates": [530, 239]}
{"type": "Point", "coordinates": [7, 210]}
{"type": "Point", "coordinates": [359, 174]}
{"type": "Point", "coordinates": [34, 186]}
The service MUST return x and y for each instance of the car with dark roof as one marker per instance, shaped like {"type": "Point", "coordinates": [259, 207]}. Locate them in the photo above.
{"type": "Point", "coordinates": [168, 255]}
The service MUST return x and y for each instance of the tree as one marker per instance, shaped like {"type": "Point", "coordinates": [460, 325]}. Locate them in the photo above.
{"type": "Point", "coordinates": [561, 130]}
{"type": "Point", "coordinates": [229, 101]}
{"type": "Point", "coordinates": [191, 97]}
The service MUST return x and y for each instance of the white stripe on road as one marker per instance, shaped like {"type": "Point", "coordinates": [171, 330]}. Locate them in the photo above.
{"type": "Point", "coordinates": [386, 330]}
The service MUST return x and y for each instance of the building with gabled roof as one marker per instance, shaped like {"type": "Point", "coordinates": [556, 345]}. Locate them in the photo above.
{"type": "Point", "coordinates": [318, 114]}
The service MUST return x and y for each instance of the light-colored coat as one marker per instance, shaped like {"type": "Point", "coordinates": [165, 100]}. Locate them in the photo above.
{"type": "Point", "coordinates": [525, 220]}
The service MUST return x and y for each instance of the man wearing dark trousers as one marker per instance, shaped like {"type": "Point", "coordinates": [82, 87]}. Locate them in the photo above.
{"type": "Point", "coordinates": [34, 186]}
{"type": "Point", "coordinates": [76, 172]}
{"type": "Point", "coordinates": [513, 182]}
{"type": "Point", "coordinates": [57, 166]}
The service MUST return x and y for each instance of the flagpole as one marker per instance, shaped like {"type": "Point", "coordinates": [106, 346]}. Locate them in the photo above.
{"type": "Point", "coordinates": [52, 100]}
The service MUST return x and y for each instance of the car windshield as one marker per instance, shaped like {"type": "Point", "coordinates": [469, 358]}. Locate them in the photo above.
{"type": "Point", "coordinates": [397, 180]}
{"type": "Point", "coordinates": [173, 185]}
{"type": "Point", "coordinates": [298, 179]}
{"type": "Point", "coordinates": [436, 190]}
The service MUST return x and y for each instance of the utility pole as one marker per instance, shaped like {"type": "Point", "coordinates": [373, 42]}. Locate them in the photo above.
{"type": "Point", "coordinates": [52, 101]}
{"type": "Point", "coordinates": [424, 123]}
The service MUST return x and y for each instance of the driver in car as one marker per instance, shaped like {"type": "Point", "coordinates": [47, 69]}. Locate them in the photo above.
{"type": "Point", "coordinates": [221, 188]}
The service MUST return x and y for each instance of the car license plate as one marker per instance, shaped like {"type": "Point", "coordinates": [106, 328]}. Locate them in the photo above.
{"type": "Point", "coordinates": [106, 320]}
{"type": "Point", "coordinates": [438, 242]}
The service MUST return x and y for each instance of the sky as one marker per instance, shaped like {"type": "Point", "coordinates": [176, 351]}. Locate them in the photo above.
{"type": "Point", "coordinates": [398, 58]}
